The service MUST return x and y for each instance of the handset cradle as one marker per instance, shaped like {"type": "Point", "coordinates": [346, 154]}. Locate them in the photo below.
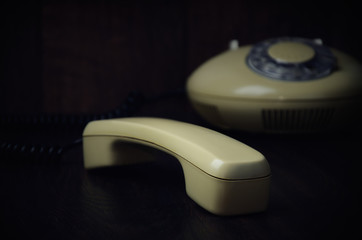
{"type": "Point", "coordinates": [222, 175]}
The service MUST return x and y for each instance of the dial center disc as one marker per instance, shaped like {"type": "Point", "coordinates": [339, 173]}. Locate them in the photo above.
{"type": "Point", "coordinates": [291, 52]}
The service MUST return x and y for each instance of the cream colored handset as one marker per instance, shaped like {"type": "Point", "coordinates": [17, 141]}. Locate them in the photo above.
{"type": "Point", "coordinates": [222, 175]}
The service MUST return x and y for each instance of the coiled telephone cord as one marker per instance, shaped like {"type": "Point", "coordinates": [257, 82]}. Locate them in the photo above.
{"type": "Point", "coordinates": [131, 104]}
{"type": "Point", "coordinates": [44, 153]}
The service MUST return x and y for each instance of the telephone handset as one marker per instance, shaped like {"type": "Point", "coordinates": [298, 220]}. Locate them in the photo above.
{"type": "Point", "coordinates": [222, 175]}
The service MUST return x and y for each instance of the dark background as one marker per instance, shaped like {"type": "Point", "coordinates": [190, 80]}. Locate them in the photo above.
{"type": "Point", "coordinates": [85, 56]}
{"type": "Point", "coordinates": [71, 57]}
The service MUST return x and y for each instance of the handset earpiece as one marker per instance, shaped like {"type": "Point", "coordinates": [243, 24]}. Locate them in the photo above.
{"type": "Point", "coordinates": [222, 175]}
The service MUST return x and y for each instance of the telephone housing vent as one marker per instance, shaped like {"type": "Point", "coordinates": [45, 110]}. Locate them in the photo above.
{"type": "Point", "coordinates": [297, 120]}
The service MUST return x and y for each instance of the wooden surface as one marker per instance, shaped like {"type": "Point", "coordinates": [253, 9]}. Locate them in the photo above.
{"type": "Point", "coordinates": [315, 191]}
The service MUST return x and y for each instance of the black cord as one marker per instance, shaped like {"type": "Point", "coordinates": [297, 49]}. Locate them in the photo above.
{"type": "Point", "coordinates": [15, 153]}
{"type": "Point", "coordinates": [43, 153]}
{"type": "Point", "coordinates": [131, 104]}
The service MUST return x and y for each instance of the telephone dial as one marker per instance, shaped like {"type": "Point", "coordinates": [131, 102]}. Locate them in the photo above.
{"type": "Point", "coordinates": [281, 85]}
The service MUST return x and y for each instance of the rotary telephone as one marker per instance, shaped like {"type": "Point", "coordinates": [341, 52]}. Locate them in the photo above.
{"type": "Point", "coordinates": [283, 85]}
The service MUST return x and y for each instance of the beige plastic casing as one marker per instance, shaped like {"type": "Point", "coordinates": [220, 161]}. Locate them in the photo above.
{"type": "Point", "coordinates": [222, 175]}
{"type": "Point", "coordinates": [226, 92]}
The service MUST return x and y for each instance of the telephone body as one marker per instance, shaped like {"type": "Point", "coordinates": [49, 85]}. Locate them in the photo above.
{"type": "Point", "coordinates": [282, 85]}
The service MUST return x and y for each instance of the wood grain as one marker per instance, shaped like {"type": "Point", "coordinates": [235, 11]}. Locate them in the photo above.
{"type": "Point", "coordinates": [315, 193]}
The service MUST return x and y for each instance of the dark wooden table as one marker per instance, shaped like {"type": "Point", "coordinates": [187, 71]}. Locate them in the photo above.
{"type": "Point", "coordinates": [315, 191]}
